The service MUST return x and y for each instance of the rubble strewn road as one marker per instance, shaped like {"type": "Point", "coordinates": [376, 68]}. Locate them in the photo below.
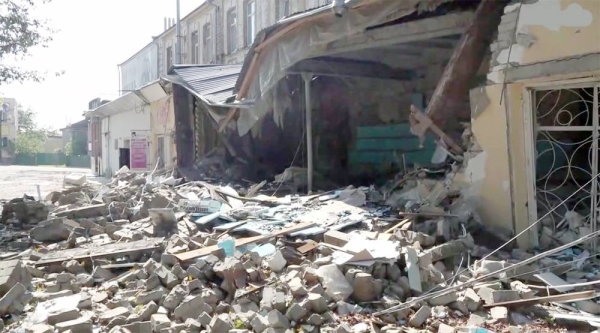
{"type": "Point", "coordinates": [15, 180]}
{"type": "Point", "coordinates": [151, 253]}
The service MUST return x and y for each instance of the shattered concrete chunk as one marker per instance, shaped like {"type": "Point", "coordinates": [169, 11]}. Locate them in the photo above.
{"type": "Point", "coordinates": [334, 282]}
{"type": "Point", "coordinates": [221, 323]}
{"type": "Point", "coordinates": [277, 320]}
{"type": "Point", "coordinates": [12, 297]}
{"type": "Point", "coordinates": [444, 299]}
{"type": "Point", "coordinates": [295, 312]}
{"type": "Point", "coordinates": [259, 323]}
{"type": "Point", "coordinates": [11, 273]}
{"type": "Point", "coordinates": [191, 307]}
{"type": "Point", "coordinates": [175, 297]}
{"type": "Point", "coordinates": [109, 315]}
{"type": "Point", "coordinates": [205, 319]}
{"type": "Point", "coordinates": [419, 318]}
{"type": "Point", "coordinates": [159, 322]}
{"type": "Point", "coordinates": [318, 304]}
{"type": "Point", "coordinates": [66, 315]}
{"type": "Point", "coordinates": [365, 289]}
{"type": "Point", "coordinates": [150, 296]}
{"type": "Point", "coordinates": [79, 325]}
{"type": "Point", "coordinates": [297, 287]}
{"type": "Point", "coordinates": [276, 262]}
{"type": "Point", "coordinates": [167, 278]}
{"type": "Point", "coordinates": [499, 313]}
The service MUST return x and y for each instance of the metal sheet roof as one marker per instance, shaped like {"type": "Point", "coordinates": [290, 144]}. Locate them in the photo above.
{"type": "Point", "coordinates": [212, 83]}
{"type": "Point", "coordinates": [129, 101]}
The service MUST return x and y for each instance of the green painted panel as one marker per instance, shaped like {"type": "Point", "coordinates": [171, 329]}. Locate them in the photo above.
{"type": "Point", "coordinates": [400, 144]}
{"type": "Point", "coordinates": [389, 131]}
{"type": "Point", "coordinates": [378, 146]}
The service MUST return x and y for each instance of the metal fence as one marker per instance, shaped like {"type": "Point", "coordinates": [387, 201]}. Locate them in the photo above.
{"type": "Point", "coordinates": [76, 161]}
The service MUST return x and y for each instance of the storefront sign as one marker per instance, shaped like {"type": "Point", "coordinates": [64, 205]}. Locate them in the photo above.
{"type": "Point", "coordinates": [138, 151]}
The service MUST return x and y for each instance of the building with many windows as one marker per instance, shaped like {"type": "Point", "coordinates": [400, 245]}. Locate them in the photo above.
{"type": "Point", "coordinates": [217, 32]}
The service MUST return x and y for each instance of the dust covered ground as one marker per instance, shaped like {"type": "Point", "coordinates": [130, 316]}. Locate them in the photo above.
{"type": "Point", "coordinates": [15, 180]}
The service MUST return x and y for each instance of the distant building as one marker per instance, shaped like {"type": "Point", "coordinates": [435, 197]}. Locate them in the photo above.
{"type": "Point", "coordinates": [77, 135]}
{"type": "Point", "coordinates": [52, 144]}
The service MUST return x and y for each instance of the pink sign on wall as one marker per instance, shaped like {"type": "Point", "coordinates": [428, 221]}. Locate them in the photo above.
{"type": "Point", "coordinates": [138, 151]}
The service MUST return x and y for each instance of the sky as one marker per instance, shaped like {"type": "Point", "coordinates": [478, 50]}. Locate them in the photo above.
{"type": "Point", "coordinates": [93, 37]}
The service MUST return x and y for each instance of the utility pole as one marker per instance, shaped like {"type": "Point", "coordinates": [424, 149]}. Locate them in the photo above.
{"type": "Point", "coordinates": [178, 38]}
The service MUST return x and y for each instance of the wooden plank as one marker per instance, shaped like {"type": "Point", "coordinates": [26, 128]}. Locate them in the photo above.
{"type": "Point", "coordinates": [108, 250]}
{"type": "Point", "coordinates": [562, 298]}
{"type": "Point", "coordinates": [309, 246]}
{"type": "Point", "coordinates": [242, 241]}
{"type": "Point", "coordinates": [399, 225]}
{"type": "Point", "coordinates": [336, 238]}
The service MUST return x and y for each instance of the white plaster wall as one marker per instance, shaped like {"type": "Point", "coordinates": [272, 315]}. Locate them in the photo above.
{"type": "Point", "coordinates": [118, 127]}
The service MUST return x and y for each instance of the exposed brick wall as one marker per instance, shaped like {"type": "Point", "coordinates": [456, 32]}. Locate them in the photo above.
{"type": "Point", "coordinates": [506, 32]}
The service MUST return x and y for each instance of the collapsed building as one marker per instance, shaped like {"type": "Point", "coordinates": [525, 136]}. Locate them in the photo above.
{"type": "Point", "coordinates": [475, 127]}
{"type": "Point", "coordinates": [394, 86]}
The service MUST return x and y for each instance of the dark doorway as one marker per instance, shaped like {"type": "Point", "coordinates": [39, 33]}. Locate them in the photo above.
{"type": "Point", "coordinates": [124, 157]}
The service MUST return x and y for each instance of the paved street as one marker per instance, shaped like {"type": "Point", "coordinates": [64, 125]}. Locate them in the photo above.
{"type": "Point", "coordinates": [18, 179]}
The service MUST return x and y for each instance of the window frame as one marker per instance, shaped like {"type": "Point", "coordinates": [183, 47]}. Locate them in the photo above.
{"type": "Point", "coordinates": [250, 21]}
{"type": "Point", "coordinates": [195, 47]}
{"type": "Point", "coordinates": [232, 30]}
{"type": "Point", "coordinates": [207, 43]}
{"type": "Point", "coordinates": [169, 56]}
{"type": "Point", "coordinates": [283, 9]}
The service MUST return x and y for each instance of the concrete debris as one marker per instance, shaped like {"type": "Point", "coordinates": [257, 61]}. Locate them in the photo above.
{"type": "Point", "coordinates": [112, 258]}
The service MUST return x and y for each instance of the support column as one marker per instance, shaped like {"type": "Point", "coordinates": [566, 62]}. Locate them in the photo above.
{"type": "Point", "coordinates": [184, 132]}
{"type": "Point", "coordinates": [307, 77]}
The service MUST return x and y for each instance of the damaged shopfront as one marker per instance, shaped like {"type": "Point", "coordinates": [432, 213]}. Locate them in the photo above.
{"type": "Point", "coordinates": [434, 100]}
{"type": "Point", "coordinates": [358, 74]}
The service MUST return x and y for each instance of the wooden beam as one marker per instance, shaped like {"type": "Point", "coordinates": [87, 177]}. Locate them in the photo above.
{"type": "Point", "coordinates": [346, 67]}
{"type": "Point", "coordinates": [561, 298]}
{"type": "Point", "coordinates": [243, 241]}
{"type": "Point", "coordinates": [452, 90]}
{"type": "Point", "coordinates": [419, 30]}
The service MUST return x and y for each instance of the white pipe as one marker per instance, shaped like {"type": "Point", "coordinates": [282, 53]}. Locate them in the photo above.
{"type": "Point", "coordinates": [307, 77]}
{"type": "Point", "coordinates": [178, 38]}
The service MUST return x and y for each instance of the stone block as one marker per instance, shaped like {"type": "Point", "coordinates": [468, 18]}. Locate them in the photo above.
{"type": "Point", "coordinates": [159, 321]}
{"type": "Point", "coordinates": [277, 320]}
{"type": "Point", "coordinates": [109, 315]}
{"type": "Point", "coordinates": [499, 313]}
{"type": "Point", "coordinates": [79, 325]}
{"type": "Point", "coordinates": [419, 318]}
{"type": "Point", "coordinates": [138, 327]}
{"type": "Point", "coordinates": [191, 307]}
{"type": "Point", "coordinates": [296, 312]}
{"type": "Point", "coordinates": [55, 318]}
{"type": "Point", "coordinates": [12, 297]}
{"type": "Point", "coordinates": [11, 273]}
{"type": "Point", "coordinates": [221, 323]}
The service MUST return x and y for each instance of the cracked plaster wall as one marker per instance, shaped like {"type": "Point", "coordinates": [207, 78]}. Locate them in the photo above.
{"type": "Point", "coordinates": [534, 31]}
{"type": "Point", "coordinates": [544, 31]}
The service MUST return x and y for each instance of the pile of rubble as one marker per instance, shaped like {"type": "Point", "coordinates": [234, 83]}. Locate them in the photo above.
{"type": "Point", "coordinates": [155, 254]}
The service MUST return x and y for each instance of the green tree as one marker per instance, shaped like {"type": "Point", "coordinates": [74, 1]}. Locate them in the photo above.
{"type": "Point", "coordinates": [69, 148]}
{"type": "Point", "coordinates": [19, 32]}
{"type": "Point", "coordinates": [26, 119]}
{"type": "Point", "coordinates": [30, 142]}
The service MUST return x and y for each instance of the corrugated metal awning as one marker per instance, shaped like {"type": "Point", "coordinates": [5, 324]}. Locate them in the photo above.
{"type": "Point", "coordinates": [133, 100]}
{"type": "Point", "coordinates": [211, 83]}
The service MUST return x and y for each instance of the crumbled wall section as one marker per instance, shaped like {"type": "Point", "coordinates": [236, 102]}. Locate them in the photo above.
{"type": "Point", "coordinates": [529, 31]}
{"type": "Point", "coordinates": [506, 31]}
